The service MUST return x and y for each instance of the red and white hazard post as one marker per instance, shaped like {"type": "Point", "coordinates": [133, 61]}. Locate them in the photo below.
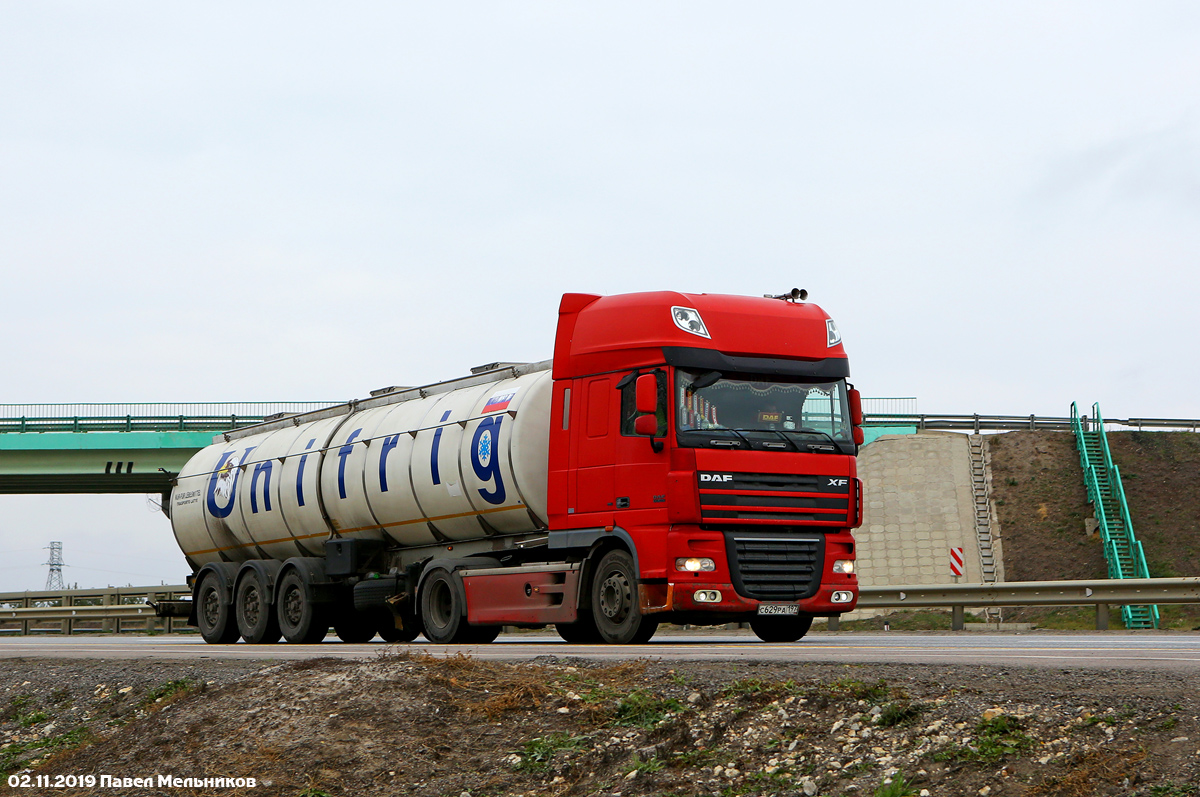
{"type": "Point", "coordinates": [956, 563]}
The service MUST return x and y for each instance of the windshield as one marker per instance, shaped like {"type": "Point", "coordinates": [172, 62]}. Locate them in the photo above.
{"type": "Point", "coordinates": [756, 411]}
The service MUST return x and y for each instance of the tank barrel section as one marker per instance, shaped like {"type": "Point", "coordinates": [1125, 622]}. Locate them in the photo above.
{"type": "Point", "coordinates": [456, 465]}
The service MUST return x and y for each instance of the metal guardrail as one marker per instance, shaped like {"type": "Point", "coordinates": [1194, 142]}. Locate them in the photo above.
{"type": "Point", "coordinates": [1100, 593]}
{"type": "Point", "coordinates": [1001, 423]}
{"type": "Point", "coordinates": [113, 610]}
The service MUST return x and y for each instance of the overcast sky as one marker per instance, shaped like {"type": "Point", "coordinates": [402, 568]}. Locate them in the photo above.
{"type": "Point", "coordinates": [998, 203]}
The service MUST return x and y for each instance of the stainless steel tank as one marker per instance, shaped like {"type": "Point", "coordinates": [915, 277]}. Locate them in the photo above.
{"type": "Point", "coordinates": [451, 465]}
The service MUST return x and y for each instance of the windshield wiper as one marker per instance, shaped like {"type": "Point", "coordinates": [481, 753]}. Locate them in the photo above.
{"type": "Point", "coordinates": [745, 439]}
{"type": "Point", "coordinates": [792, 443]}
{"type": "Point", "coordinates": [806, 430]}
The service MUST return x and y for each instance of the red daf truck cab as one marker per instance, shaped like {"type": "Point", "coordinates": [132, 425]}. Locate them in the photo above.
{"type": "Point", "coordinates": [710, 441]}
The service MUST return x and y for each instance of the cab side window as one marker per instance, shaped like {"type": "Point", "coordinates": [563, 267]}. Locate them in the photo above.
{"type": "Point", "coordinates": [628, 387]}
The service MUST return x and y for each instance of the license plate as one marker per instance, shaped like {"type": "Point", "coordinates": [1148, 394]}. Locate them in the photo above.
{"type": "Point", "coordinates": [778, 608]}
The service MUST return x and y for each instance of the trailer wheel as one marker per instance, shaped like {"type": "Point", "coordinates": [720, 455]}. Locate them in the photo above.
{"type": "Point", "coordinates": [300, 619]}
{"type": "Point", "coordinates": [616, 609]}
{"type": "Point", "coordinates": [256, 620]}
{"type": "Point", "coordinates": [214, 615]}
{"type": "Point", "coordinates": [442, 610]}
{"type": "Point", "coordinates": [354, 627]}
{"type": "Point", "coordinates": [781, 629]}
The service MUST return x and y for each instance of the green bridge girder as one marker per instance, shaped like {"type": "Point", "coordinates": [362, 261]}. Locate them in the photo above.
{"type": "Point", "coordinates": [95, 462]}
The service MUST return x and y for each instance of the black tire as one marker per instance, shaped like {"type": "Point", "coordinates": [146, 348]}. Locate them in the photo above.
{"type": "Point", "coordinates": [354, 627]}
{"type": "Point", "coordinates": [483, 634]}
{"type": "Point", "coordinates": [300, 619]}
{"type": "Point", "coordinates": [781, 629]}
{"type": "Point", "coordinates": [616, 609]}
{"type": "Point", "coordinates": [256, 620]}
{"type": "Point", "coordinates": [442, 611]}
{"type": "Point", "coordinates": [390, 633]}
{"type": "Point", "coordinates": [214, 614]}
{"type": "Point", "coordinates": [581, 632]}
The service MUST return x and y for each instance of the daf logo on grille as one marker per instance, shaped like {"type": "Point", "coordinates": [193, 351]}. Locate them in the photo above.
{"type": "Point", "coordinates": [716, 477]}
{"type": "Point", "coordinates": [837, 483]}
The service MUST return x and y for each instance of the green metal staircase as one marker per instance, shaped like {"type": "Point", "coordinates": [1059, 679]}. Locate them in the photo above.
{"type": "Point", "coordinates": [1124, 553]}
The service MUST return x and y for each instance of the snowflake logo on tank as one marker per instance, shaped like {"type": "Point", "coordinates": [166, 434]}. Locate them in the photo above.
{"type": "Point", "coordinates": [485, 448]}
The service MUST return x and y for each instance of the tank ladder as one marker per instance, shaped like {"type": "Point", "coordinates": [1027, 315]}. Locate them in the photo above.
{"type": "Point", "coordinates": [1122, 549]}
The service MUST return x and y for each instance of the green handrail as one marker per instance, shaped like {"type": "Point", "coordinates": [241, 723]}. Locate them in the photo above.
{"type": "Point", "coordinates": [1111, 537]}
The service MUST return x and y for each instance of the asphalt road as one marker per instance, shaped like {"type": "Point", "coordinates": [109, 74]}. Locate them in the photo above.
{"type": "Point", "coordinates": [1086, 650]}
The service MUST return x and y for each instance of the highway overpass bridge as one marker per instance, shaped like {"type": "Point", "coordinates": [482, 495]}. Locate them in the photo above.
{"type": "Point", "coordinates": [115, 448]}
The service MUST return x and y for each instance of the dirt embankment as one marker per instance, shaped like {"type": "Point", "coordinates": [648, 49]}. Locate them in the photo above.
{"type": "Point", "coordinates": [1042, 503]}
{"type": "Point", "coordinates": [1161, 475]}
{"type": "Point", "coordinates": [412, 725]}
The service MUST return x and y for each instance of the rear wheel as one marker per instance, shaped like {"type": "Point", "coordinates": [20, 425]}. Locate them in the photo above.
{"type": "Point", "coordinates": [390, 633]}
{"type": "Point", "coordinates": [300, 619]}
{"type": "Point", "coordinates": [442, 612]}
{"type": "Point", "coordinates": [616, 609]}
{"type": "Point", "coordinates": [781, 629]}
{"type": "Point", "coordinates": [256, 620]}
{"type": "Point", "coordinates": [214, 614]}
{"type": "Point", "coordinates": [354, 627]}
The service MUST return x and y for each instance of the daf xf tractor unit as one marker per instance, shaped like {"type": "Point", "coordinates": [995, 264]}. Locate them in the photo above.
{"type": "Point", "coordinates": [683, 458]}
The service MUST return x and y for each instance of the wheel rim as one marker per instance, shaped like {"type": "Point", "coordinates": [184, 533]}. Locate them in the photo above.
{"type": "Point", "coordinates": [441, 604]}
{"type": "Point", "coordinates": [212, 608]}
{"type": "Point", "coordinates": [293, 606]}
{"type": "Point", "coordinates": [616, 597]}
{"type": "Point", "coordinates": [251, 605]}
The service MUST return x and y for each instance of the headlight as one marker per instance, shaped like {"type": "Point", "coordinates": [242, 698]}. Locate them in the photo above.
{"type": "Point", "coordinates": [842, 596]}
{"type": "Point", "coordinates": [843, 566]}
{"type": "Point", "coordinates": [707, 596]}
{"type": "Point", "coordinates": [694, 564]}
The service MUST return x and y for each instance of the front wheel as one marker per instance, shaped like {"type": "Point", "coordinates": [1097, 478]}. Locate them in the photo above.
{"type": "Point", "coordinates": [616, 608]}
{"type": "Point", "coordinates": [781, 629]}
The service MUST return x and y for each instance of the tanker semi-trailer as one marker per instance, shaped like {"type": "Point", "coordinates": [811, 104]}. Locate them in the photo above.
{"type": "Point", "coordinates": [684, 458]}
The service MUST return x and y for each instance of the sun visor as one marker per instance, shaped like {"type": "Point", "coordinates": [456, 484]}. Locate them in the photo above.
{"type": "Point", "coordinates": [712, 360]}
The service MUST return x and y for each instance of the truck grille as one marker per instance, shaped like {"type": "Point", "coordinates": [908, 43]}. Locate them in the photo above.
{"type": "Point", "coordinates": [773, 567]}
{"type": "Point", "coordinates": [774, 499]}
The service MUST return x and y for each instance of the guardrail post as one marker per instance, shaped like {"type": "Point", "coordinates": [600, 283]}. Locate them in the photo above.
{"type": "Point", "coordinates": [25, 623]}
{"type": "Point", "coordinates": [66, 623]}
{"type": "Point", "coordinates": [956, 618]}
{"type": "Point", "coordinates": [1101, 616]}
{"type": "Point", "coordinates": [106, 625]}
{"type": "Point", "coordinates": [835, 623]}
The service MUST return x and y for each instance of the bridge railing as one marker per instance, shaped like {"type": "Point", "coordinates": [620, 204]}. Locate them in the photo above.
{"type": "Point", "coordinates": [179, 417]}
{"type": "Point", "coordinates": [1000, 423]}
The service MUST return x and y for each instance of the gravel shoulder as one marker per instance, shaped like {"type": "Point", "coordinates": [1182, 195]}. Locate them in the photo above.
{"type": "Point", "coordinates": [413, 725]}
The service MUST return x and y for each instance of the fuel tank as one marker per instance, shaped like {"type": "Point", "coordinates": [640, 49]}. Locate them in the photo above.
{"type": "Point", "coordinates": [419, 467]}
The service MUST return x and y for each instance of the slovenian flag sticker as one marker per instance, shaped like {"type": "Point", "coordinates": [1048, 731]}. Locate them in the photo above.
{"type": "Point", "coordinates": [499, 401]}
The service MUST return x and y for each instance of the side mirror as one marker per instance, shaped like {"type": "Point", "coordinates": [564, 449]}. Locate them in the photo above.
{"type": "Point", "coordinates": [856, 414]}
{"type": "Point", "coordinates": [646, 396]}
{"type": "Point", "coordinates": [859, 436]}
{"type": "Point", "coordinates": [646, 425]}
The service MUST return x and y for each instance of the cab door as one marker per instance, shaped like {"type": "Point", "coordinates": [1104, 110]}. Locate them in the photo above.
{"type": "Point", "coordinates": [593, 452]}
{"type": "Point", "coordinates": [641, 472]}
